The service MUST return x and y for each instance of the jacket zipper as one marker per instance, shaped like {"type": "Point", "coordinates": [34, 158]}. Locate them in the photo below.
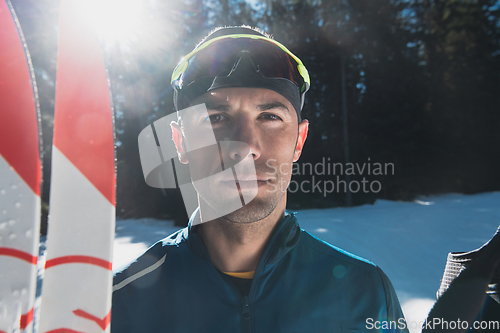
{"type": "Point", "coordinates": [246, 313]}
{"type": "Point", "coordinates": [247, 316]}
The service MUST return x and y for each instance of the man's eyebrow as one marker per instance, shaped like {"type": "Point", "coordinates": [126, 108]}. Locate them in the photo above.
{"type": "Point", "coordinates": [272, 105]}
{"type": "Point", "coordinates": [217, 106]}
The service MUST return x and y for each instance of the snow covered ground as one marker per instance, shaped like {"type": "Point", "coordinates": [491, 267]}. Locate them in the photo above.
{"type": "Point", "coordinates": [408, 240]}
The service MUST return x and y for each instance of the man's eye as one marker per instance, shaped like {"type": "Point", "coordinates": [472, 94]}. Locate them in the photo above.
{"type": "Point", "coordinates": [270, 116]}
{"type": "Point", "coordinates": [215, 118]}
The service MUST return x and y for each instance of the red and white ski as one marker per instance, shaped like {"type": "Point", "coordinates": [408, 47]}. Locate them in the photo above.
{"type": "Point", "coordinates": [20, 177]}
{"type": "Point", "coordinates": [76, 293]}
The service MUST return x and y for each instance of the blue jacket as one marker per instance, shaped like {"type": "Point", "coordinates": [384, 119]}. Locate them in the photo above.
{"type": "Point", "coordinates": [301, 284]}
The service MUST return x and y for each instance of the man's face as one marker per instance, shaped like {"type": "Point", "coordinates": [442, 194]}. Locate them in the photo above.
{"type": "Point", "coordinates": [258, 138]}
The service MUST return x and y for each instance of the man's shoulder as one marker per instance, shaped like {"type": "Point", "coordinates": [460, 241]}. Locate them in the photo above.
{"type": "Point", "coordinates": [153, 258]}
{"type": "Point", "coordinates": [321, 247]}
{"type": "Point", "coordinates": [361, 272]}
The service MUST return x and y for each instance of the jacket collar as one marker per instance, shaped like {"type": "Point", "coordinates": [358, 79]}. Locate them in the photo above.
{"type": "Point", "coordinates": [284, 238]}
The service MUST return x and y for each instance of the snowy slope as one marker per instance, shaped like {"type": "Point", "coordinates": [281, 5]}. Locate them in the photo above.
{"type": "Point", "coordinates": [408, 240]}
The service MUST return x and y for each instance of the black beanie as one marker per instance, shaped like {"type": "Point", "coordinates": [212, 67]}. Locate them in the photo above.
{"type": "Point", "coordinates": [245, 75]}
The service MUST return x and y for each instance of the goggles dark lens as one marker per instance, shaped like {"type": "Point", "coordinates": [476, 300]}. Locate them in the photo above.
{"type": "Point", "coordinates": [219, 58]}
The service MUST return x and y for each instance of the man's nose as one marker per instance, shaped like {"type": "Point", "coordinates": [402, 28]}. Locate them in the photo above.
{"type": "Point", "coordinates": [244, 141]}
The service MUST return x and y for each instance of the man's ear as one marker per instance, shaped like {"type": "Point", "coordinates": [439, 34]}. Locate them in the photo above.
{"type": "Point", "coordinates": [178, 139]}
{"type": "Point", "coordinates": [303, 128]}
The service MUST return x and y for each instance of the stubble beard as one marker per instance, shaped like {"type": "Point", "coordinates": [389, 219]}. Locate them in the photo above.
{"type": "Point", "coordinates": [256, 210]}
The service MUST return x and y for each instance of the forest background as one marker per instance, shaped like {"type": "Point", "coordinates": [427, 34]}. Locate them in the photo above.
{"type": "Point", "coordinates": [415, 83]}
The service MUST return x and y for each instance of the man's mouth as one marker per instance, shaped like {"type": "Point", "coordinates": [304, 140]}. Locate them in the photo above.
{"type": "Point", "coordinates": [251, 179]}
{"type": "Point", "coordinates": [246, 182]}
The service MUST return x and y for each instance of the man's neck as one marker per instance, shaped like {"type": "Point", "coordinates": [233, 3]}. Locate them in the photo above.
{"type": "Point", "coordinates": [238, 247]}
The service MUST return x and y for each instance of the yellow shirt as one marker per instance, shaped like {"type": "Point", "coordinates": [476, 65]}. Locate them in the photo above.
{"type": "Point", "coordinates": [241, 275]}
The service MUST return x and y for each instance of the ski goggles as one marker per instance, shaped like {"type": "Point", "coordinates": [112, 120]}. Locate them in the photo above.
{"type": "Point", "coordinates": [217, 57]}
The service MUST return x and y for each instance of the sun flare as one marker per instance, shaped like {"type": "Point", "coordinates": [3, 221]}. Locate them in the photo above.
{"type": "Point", "coordinates": [113, 20]}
